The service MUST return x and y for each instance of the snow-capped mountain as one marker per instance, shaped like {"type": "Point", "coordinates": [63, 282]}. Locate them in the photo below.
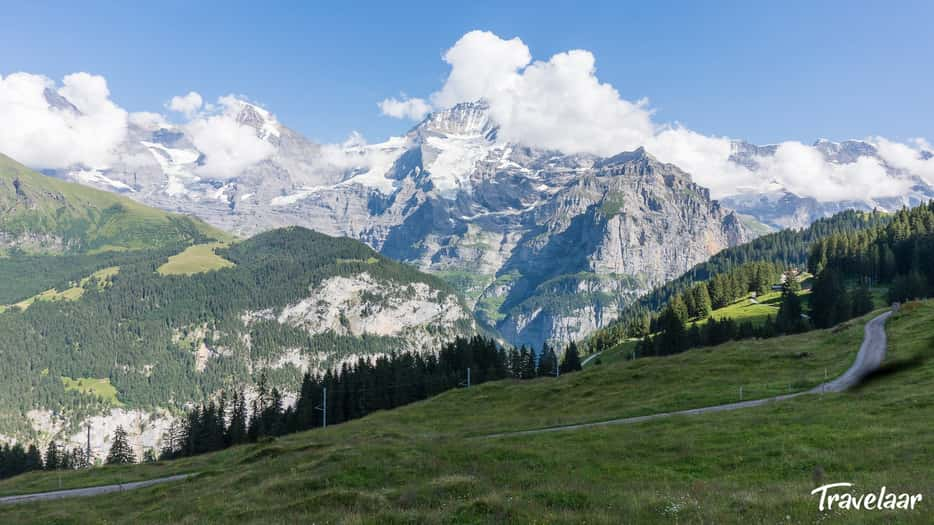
{"type": "Point", "coordinates": [780, 208]}
{"type": "Point", "coordinates": [545, 246]}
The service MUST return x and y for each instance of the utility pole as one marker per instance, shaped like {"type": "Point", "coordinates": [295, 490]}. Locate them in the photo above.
{"type": "Point", "coordinates": [740, 393]}
{"type": "Point", "coordinates": [465, 384]}
{"type": "Point", "coordinates": [88, 457]}
{"type": "Point", "coordinates": [324, 407]}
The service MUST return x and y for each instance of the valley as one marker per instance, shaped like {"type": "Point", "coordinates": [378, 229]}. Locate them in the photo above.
{"type": "Point", "coordinates": [400, 465]}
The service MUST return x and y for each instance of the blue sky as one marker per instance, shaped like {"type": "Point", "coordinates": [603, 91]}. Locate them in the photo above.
{"type": "Point", "coordinates": [768, 72]}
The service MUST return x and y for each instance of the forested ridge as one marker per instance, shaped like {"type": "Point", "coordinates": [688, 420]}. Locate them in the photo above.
{"type": "Point", "coordinates": [894, 256]}
{"type": "Point", "coordinates": [728, 272]}
{"type": "Point", "coordinates": [141, 330]}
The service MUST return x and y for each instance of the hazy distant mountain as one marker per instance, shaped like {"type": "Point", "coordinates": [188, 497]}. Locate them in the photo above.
{"type": "Point", "coordinates": [781, 208]}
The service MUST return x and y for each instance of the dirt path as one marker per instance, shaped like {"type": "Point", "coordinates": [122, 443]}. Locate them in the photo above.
{"type": "Point", "coordinates": [91, 491]}
{"type": "Point", "coordinates": [870, 356]}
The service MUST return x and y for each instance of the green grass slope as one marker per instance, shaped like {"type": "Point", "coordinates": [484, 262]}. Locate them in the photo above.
{"type": "Point", "coordinates": [419, 464]}
{"type": "Point", "coordinates": [40, 214]}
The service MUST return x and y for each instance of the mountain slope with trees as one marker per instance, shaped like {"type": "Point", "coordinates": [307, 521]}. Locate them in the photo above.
{"type": "Point", "coordinates": [732, 273]}
{"type": "Point", "coordinates": [283, 303]}
{"type": "Point", "coordinates": [53, 232]}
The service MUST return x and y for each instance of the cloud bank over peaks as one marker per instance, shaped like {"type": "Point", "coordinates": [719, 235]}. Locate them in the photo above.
{"type": "Point", "coordinates": [562, 104]}
{"type": "Point", "coordinates": [47, 125]}
{"type": "Point", "coordinates": [229, 139]}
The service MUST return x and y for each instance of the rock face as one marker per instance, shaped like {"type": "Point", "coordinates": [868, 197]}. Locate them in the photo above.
{"type": "Point", "coordinates": [422, 317]}
{"type": "Point", "coordinates": [144, 429]}
{"type": "Point", "coordinates": [780, 208]}
{"type": "Point", "coordinates": [544, 246]}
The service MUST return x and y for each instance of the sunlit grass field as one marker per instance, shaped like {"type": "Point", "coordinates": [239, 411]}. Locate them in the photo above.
{"type": "Point", "coordinates": [195, 259]}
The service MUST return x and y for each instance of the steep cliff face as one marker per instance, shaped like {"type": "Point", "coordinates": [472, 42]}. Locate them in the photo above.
{"type": "Point", "coordinates": [627, 224]}
{"type": "Point", "coordinates": [532, 238]}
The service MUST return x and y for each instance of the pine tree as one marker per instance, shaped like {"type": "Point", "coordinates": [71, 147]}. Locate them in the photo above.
{"type": "Point", "coordinates": [673, 338]}
{"type": "Point", "coordinates": [53, 458]}
{"type": "Point", "coordinates": [572, 359]}
{"type": "Point", "coordinates": [827, 291]}
{"type": "Point", "coordinates": [120, 451]}
{"type": "Point", "coordinates": [702, 300]}
{"type": "Point", "coordinates": [33, 460]}
{"type": "Point", "coordinates": [237, 431]}
{"type": "Point", "coordinates": [789, 312]}
{"type": "Point", "coordinates": [547, 362]}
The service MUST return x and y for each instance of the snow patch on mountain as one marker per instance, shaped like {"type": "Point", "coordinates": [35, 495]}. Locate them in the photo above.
{"type": "Point", "coordinates": [94, 177]}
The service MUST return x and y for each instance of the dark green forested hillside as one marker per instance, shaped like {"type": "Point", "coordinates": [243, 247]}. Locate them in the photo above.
{"type": "Point", "coordinates": [899, 254]}
{"type": "Point", "coordinates": [850, 268]}
{"type": "Point", "coordinates": [140, 329]}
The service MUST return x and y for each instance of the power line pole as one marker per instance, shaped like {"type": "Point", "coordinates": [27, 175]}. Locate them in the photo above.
{"type": "Point", "coordinates": [324, 407]}
{"type": "Point", "coordinates": [468, 377]}
{"type": "Point", "coordinates": [89, 444]}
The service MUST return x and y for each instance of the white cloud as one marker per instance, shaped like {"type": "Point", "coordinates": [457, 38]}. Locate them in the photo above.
{"type": "Point", "coordinates": [148, 120]}
{"type": "Point", "coordinates": [482, 66]}
{"type": "Point", "coordinates": [561, 104]}
{"type": "Point", "coordinates": [908, 157]}
{"type": "Point", "coordinates": [803, 170]}
{"type": "Point", "coordinates": [52, 132]}
{"type": "Point", "coordinates": [187, 105]}
{"type": "Point", "coordinates": [407, 108]}
{"type": "Point", "coordinates": [228, 146]}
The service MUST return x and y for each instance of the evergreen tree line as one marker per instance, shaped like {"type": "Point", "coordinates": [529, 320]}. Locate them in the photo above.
{"type": "Point", "coordinates": [673, 335]}
{"type": "Point", "coordinates": [785, 249]}
{"type": "Point", "coordinates": [899, 254]}
{"type": "Point", "coordinates": [694, 302]}
{"type": "Point", "coordinates": [17, 459]}
{"type": "Point", "coordinates": [357, 390]}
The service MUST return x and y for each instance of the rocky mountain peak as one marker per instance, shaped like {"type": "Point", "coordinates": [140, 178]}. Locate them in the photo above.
{"type": "Point", "coordinates": [59, 102]}
{"type": "Point", "coordinates": [638, 155]}
{"type": "Point", "coordinates": [467, 119]}
{"type": "Point", "coordinates": [846, 151]}
{"type": "Point", "coordinates": [259, 119]}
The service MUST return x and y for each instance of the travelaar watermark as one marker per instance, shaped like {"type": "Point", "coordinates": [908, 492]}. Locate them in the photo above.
{"type": "Point", "coordinates": [883, 500]}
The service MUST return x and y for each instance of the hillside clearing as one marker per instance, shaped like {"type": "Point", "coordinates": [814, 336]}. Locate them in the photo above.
{"type": "Point", "coordinates": [199, 258]}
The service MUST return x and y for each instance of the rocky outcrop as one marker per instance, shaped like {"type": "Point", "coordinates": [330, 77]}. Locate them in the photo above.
{"type": "Point", "coordinates": [422, 317]}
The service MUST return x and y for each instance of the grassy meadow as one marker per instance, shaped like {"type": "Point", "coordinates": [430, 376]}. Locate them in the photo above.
{"type": "Point", "coordinates": [198, 258]}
